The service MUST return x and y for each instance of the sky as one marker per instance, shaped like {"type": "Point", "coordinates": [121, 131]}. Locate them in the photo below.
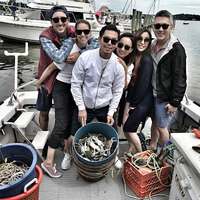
{"type": "Point", "coordinates": [146, 6]}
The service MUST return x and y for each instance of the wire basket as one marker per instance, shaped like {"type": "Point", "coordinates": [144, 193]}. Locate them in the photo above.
{"type": "Point", "coordinates": [33, 192]}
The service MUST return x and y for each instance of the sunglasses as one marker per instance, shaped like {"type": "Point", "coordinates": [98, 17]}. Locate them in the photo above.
{"type": "Point", "coordinates": [164, 26]}
{"type": "Point", "coordinates": [126, 47]}
{"type": "Point", "coordinates": [113, 41]}
{"type": "Point", "coordinates": [56, 19]}
{"type": "Point", "coordinates": [86, 32]}
{"type": "Point", "coordinates": [140, 39]}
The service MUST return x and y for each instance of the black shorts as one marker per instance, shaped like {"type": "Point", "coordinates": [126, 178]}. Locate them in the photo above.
{"type": "Point", "coordinates": [44, 100]}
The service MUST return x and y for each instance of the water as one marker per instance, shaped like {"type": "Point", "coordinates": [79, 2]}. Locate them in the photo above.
{"type": "Point", "coordinates": [187, 34]}
{"type": "Point", "coordinates": [27, 70]}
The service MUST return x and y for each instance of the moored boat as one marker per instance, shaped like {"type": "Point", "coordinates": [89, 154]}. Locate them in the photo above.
{"type": "Point", "coordinates": [36, 19]}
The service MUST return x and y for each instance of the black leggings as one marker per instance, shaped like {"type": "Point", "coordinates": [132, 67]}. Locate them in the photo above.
{"type": "Point", "coordinates": [64, 108]}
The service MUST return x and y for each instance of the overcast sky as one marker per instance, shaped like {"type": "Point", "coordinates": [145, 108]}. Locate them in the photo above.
{"type": "Point", "coordinates": [174, 6]}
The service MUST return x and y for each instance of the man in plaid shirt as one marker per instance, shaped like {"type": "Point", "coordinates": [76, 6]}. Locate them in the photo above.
{"type": "Point", "coordinates": [55, 45]}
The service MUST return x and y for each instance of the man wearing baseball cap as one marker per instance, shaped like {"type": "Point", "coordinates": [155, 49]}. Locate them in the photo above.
{"type": "Point", "coordinates": [56, 44]}
{"type": "Point", "coordinates": [53, 47]}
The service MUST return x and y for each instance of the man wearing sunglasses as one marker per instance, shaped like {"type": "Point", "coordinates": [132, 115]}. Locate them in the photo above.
{"type": "Point", "coordinates": [97, 81]}
{"type": "Point", "coordinates": [52, 48]}
{"type": "Point", "coordinates": [169, 76]}
{"type": "Point", "coordinates": [56, 43]}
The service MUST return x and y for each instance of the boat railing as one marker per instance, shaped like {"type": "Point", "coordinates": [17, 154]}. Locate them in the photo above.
{"type": "Point", "coordinates": [23, 134]}
{"type": "Point", "coordinates": [25, 85]}
{"type": "Point", "coordinates": [187, 99]}
{"type": "Point", "coordinates": [5, 9]}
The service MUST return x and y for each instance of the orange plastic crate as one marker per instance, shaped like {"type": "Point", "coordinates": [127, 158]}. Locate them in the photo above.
{"type": "Point", "coordinates": [33, 192]}
{"type": "Point", "coordinates": [143, 184]}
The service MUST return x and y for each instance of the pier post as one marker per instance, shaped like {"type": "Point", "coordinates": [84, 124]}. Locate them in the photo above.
{"type": "Point", "coordinates": [150, 20]}
{"type": "Point", "coordinates": [145, 21]}
{"type": "Point", "coordinates": [139, 19]}
{"type": "Point", "coordinates": [133, 28]}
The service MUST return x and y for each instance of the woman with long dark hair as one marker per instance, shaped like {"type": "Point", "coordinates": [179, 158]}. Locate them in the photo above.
{"type": "Point", "coordinates": [140, 94]}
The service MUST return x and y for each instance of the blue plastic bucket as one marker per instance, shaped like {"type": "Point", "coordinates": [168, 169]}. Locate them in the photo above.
{"type": "Point", "coordinates": [96, 127]}
{"type": "Point", "coordinates": [25, 154]}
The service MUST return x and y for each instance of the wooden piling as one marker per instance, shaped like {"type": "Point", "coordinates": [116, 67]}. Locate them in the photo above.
{"type": "Point", "coordinates": [148, 20]}
{"type": "Point", "coordinates": [134, 20]}
{"type": "Point", "coordinates": [140, 20]}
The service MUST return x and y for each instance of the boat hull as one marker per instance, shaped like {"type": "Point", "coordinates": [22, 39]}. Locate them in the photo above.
{"type": "Point", "coordinates": [29, 30]}
{"type": "Point", "coordinates": [36, 19]}
{"type": "Point", "coordinates": [21, 31]}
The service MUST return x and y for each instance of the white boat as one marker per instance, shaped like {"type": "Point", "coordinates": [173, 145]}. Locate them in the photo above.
{"type": "Point", "coordinates": [19, 123]}
{"type": "Point", "coordinates": [36, 19]}
{"type": "Point", "coordinates": [185, 22]}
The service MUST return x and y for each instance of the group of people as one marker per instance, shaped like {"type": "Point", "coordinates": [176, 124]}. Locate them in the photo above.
{"type": "Point", "coordinates": [96, 78]}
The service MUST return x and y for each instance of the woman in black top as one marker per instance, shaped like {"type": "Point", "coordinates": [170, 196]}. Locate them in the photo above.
{"type": "Point", "coordinates": [124, 51]}
{"type": "Point", "coordinates": [140, 93]}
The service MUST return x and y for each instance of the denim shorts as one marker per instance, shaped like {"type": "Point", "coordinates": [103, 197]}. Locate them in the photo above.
{"type": "Point", "coordinates": [162, 118]}
{"type": "Point", "coordinates": [44, 100]}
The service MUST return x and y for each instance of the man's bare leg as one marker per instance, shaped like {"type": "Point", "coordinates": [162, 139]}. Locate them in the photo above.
{"type": "Point", "coordinates": [164, 135]}
{"type": "Point", "coordinates": [134, 141]}
{"type": "Point", "coordinates": [154, 136]}
{"type": "Point", "coordinates": [44, 120]}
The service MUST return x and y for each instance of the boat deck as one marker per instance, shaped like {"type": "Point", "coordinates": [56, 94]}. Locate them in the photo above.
{"type": "Point", "coordinates": [73, 186]}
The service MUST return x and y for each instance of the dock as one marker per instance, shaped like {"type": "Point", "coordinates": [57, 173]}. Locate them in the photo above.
{"type": "Point", "coordinates": [136, 21]}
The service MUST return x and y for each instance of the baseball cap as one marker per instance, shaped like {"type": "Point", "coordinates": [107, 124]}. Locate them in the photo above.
{"type": "Point", "coordinates": [58, 9]}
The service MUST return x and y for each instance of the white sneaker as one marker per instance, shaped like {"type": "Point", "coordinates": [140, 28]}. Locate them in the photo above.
{"type": "Point", "coordinates": [118, 163]}
{"type": "Point", "coordinates": [66, 163]}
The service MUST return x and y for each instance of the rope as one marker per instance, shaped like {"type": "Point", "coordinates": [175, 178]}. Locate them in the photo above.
{"type": "Point", "coordinates": [10, 172]}
{"type": "Point", "coordinates": [5, 159]}
{"type": "Point", "coordinates": [118, 171]}
{"type": "Point", "coordinates": [149, 197]}
{"type": "Point", "coordinates": [155, 167]}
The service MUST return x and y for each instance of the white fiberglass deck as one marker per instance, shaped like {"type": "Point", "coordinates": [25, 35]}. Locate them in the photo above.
{"type": "Point", "coordinates": [71, 186]}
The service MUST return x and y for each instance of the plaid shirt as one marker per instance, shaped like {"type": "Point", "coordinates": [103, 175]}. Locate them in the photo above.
{"type": "Point", "coordinates": [59, 55]}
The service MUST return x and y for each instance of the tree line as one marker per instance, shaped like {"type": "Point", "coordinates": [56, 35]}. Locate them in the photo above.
{"type": "Point", "coordinates": [187, 17]}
